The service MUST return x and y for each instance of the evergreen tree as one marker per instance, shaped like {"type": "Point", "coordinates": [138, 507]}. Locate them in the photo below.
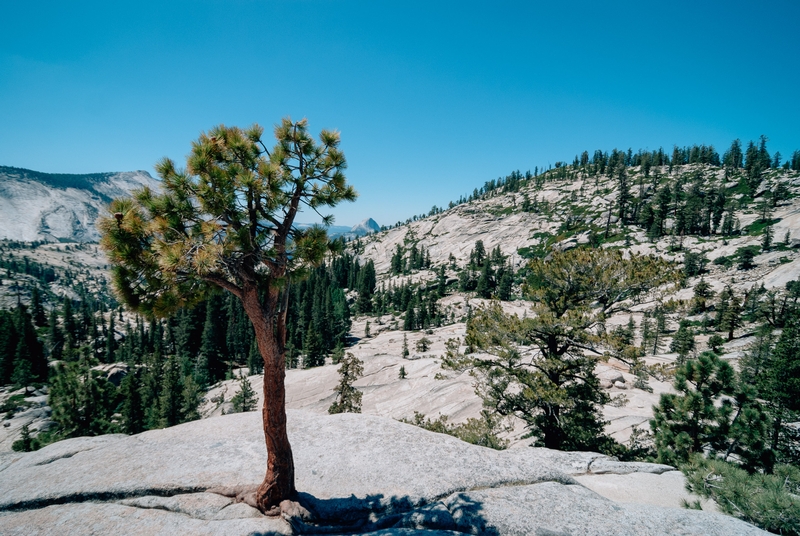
{"type": "Point", "coordinates": [111, 342]}
{"type": "Point", "coordinates": [25, 443]}
{"type": "Point", "coordinates": [8, 346]}
{"type": "Point", "coordinates": [504, 287]}
{"type": "Point", "coordinates": [37, 311]}
{"type": "Point", "coordinates": [773, 369]}
{"type": "Point", "coordinates": [766, 239]}
{"type": "Point", "coordinates": [485, 284]}
{"type": "Point", "coordinates": [423, 345]}
{"type": "Point", "coordinates": [733, 157]}
{"type": "Point", "coordinates": [348, 398]}
{"type": "Point", "coordinates": [687, 422]}
{"type": "Point", "coordinates": [647, 333]}
{"type": "Point", "coordinates": [30, 362]}
{"type": "Point", "coordinates": [82, 400]}
{"type": "Point", "coordinates": [397, 263]}
{"type": "Point", "coordinates": [153, 366]}
{"type": "Point", "coordinates": [441, 282]}
{"type": "Point", "coordinates": [410, 322]}
{"type": "Point", "coordinates": [245, 399]}
{"type": "Point", "coordinates": [68, 323]}
{"type": "Point", "coordinates": [557, 393]}
{"type": "Point", "coordinates": [729, 312]}
{"type": "Point", "coordinates": [746, 257]}
{"type": "Point", "coordinates": [132, 412]}
{"type": "Point", "coordinates": [254, 363]}
{"type": "Point", "coordinates": [623, 192]}
{"type": "Point", "coordinates": [313, 347]}
{"type": "Point", "coordinates": [366, 288]}
{"type": "Point", "coordinates": [192, 396]}
{"type": "Point", "coordinates": [211, 347]}
{"type": "Point", "coordinates": [478, 255]}
{"type": "Point", "coordinates": [169, 249]}
{"type": "Point", "coordinates": [683, 342]}
{"type": "Point", "coordinates": [702, 293]}
{"type": "Point", "coordinates": [170, 400]}
{"type": "Point", "coordinates": [712, 413]}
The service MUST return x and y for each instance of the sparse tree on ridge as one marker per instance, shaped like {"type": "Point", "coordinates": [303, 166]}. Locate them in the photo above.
{"type": "Point", "coordinates": [227, 222]}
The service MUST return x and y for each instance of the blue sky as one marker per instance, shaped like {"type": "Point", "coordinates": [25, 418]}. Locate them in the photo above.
{"type": "Point", "coordinates": [432, 98]}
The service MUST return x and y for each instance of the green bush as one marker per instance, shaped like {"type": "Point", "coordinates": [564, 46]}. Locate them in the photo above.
{"type": "Point", "coordinates": [770, 501]}
{"type": "Point", "coordinates": [481, 431]}
{"type": "Point", "coordinates": [722, 260]}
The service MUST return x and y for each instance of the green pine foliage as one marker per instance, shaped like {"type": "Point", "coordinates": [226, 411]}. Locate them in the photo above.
{"type": "Point", "coordinates": [683, 342]}
{"type": "Point", "coordinates": [348, 398]}
{"type": "Point", "coordinates": [82, 400]}
{"type": "Point", "coordinates": [769, 501]}
{"type": "Point", "coordinates": [22, 357]}
{"type": "Point", "coordinates": [245, 398]}
{"type": "Point", "coordinates": [541, 370]}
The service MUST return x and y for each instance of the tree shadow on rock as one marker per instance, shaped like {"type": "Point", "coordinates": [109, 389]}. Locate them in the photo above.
{"type": "Point", "coordinates": [352, 515]}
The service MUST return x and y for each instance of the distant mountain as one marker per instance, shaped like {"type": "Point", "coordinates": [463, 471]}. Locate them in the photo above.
{"type": "Point", "coordinates": [58, 206]}
{"type": "Point", "coordinates": [366, 227]}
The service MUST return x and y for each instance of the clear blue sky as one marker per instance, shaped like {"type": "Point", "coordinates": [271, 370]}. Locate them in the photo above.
{"type": "Point", "coordinates": [432, 98]}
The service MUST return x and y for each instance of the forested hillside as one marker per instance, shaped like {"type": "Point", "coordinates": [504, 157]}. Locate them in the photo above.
{"type": "Point", "coordinates": [565, 296]}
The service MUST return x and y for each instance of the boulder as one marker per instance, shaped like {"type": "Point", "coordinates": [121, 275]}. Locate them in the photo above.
{"type": "Point", "coordinates": [355, 474]}
{"type": "Point", "coordinates": [609, 376]}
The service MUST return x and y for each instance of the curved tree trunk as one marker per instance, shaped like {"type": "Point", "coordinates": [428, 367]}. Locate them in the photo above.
{"type": "Point", "coordinates": [270, 332]}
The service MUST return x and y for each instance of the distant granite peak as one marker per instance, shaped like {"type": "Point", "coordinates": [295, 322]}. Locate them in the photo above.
{"type": "Point", "coordinates": [58, 206]}
{"type": "Point", "coordinates": [366, 227]}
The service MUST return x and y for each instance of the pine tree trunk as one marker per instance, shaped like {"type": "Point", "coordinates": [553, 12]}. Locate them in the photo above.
{"type": "Point", "coordinates": [270, 331]}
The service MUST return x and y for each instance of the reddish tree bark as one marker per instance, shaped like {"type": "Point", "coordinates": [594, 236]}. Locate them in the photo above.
{"type": "Point", "coordinates": [269, 322]}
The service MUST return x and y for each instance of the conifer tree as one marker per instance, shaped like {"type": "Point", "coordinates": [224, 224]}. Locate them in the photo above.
{"type": "Point", "coordinates": [441, 281]}
{"type": "Point", "coordinates": [552, 385]}
{"type": "Point", "coordinates": [132, 411]}
{"type": "Point", "coordinates": [348, 398]}
{"type": "Point", "coordinates": [68, 323]}
{"type": "Point", "coordinates": [111, 342]}
{"type": "Point", "coordinates": [366, 287]}
{"type": "Point", "coordinates": [192, 396]}
{"type": "Point", "coordinates": [697, 418]}
{"type": "Point", "coordinates": [623, 192]}
{"type": "Point", "coordinates": [170, 400]}
{"type": "Point", "coordinates": [647, 333]}
{"type": "Point", "coordinates": [410, 321]}
{"type": "Point", "coordinates": [82, 400]}
{"type": "Point", "coordinates": [254, 363]}
{"type": "Point", "coordinates": [774, 370]}
{"type": "Point", "coordinates": [228, 221]}
{"type": "Point", "coordinates": [211, 347]}
{"type": "Point", "coordinates": [30, 362]}
{"type": "Point", "coordinates": [766, 239]}
{"type": "Point", "coordinates": [683, 342]}
{"type": "Point", "coordinates": [8, 346]}
{"type": "Point", "coordinates": [729, 313]}
{"type": "Point", "coordinates": [313, 347]}
{"type": "Point", "coordinates": [37, 310]}
{"type": "Point", "coordinates": [746, 258]}
{"type": "Point", "coordinates": [245, 399]}
{"type": "Point", "coordinates": [484, 286]}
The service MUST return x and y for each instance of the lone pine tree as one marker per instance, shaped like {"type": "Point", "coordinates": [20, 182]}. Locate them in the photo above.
{"type": "Point", "coordinates": [227, 222]}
